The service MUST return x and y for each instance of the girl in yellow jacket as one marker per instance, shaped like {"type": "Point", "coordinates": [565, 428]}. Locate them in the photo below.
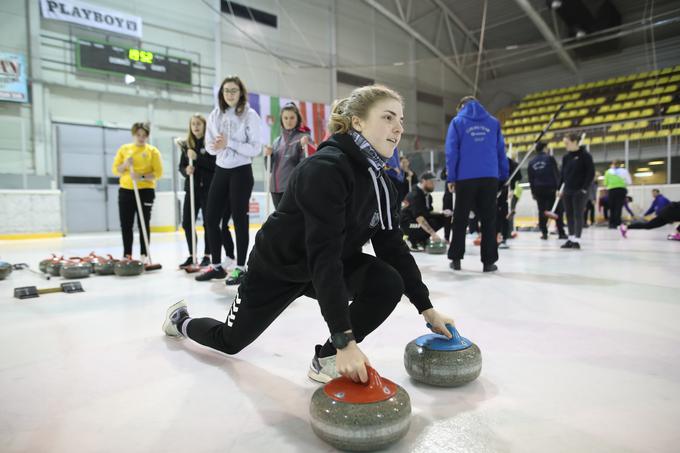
{"type": "Point", "coordinates": [141, 162]}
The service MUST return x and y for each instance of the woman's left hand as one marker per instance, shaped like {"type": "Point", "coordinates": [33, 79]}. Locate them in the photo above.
{"type": "Point", "coordinates": [304, 141]}
{"type": "Point", "coordinates": [438, 322]}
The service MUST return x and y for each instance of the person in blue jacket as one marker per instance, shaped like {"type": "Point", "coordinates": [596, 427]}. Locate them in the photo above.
{"type": "Point", "coordinates": [658, 204]}
{"type": "Point", "coordinates": [475, 163]}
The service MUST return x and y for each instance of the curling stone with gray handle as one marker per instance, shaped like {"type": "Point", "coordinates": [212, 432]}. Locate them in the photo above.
{"type": "Point", "coordinates": [435, 247]}
{"type": "Point", "coordinates": [75, 268]}
{"type": "Point", "coordinates": [436, 360]}
{"type": "Point", "coordinates": [128, 268]}
{"type": "Point", "coordinates": [360, 417]}
{"type": "Point", "coordinates": [5, 269]}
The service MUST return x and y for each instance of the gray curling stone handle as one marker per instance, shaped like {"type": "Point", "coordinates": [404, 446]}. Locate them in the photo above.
{"type": "Point", "coordinates": [456, 336]}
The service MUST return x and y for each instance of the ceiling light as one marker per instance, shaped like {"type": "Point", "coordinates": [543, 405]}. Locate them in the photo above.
{"type": "Point", "coordinates": [580, 34]}
{"type": "Point", "coordinates": [643, 169]}
{"type": "Point", "coordinates": [398, 63]}
{"type": "Point", "coordinates": [643, 174]}
{"type": "Point", "coordinates": [556, 4]}
{"type": "Point", "coordinates": [129, 79]}
{"type": "Point", "coordinates": [656, 162]}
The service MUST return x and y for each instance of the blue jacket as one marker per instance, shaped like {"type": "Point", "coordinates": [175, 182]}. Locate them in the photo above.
{"type": "Point", "coordinates": [393, 163]}
{"type": "Point", "coordinates": [658, 204]}
{"type": "Point", "coordinates": [474, 146]}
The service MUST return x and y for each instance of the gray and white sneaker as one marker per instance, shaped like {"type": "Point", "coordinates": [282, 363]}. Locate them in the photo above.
{"type": "Point", "coordinates": [322, 369]}
{"type": "Point", "coordinates": [175, 313]}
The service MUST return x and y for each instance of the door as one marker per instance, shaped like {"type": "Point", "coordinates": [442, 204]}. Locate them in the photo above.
{"type": "Point", "coordinates": [81, 163]}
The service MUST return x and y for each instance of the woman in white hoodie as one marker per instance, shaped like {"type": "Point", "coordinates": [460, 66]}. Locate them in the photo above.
{"type": "Point", "coordinates": [233, 136]}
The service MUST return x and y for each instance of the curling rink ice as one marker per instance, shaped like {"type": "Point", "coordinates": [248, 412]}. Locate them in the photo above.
{"type": "Point", "coordinates": [581, 353]}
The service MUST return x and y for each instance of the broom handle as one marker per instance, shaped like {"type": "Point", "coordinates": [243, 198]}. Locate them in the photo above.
{"type": "Point", "coordinates": [50, 290]}
{"type": "Point", "coordinates": [267, 174]}
{"type": "Point", "coordinates": [193, 213]}
{"type": "Point", "coordinates": [140, 213]}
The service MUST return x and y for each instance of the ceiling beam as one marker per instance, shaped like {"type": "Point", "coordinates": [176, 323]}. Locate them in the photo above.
{"type": "Point", "coordinates": [431, 47]}
{"type": "Point", "coordinates": [547, 34]}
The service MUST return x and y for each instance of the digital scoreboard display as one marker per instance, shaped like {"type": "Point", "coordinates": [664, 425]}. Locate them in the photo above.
{"type": "Point", "coordinates": [143, 64]}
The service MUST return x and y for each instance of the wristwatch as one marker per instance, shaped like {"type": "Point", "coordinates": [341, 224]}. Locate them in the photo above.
{"type": "Point", "coordinates": [341, 340]}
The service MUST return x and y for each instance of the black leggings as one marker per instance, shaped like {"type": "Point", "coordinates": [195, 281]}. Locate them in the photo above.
{"type": "Point", "coordinates": [200, 201]}
{"type": "Point", "coordinates": [229, 196]}
{"type": "Point", "coordinates": [617, 198]}
{"type": "Point", "coordinates": [376, 288]}
{"type": "Point", "coordinates": [574, 205]}
{"type": "Point", "coordinates": [127, 210]}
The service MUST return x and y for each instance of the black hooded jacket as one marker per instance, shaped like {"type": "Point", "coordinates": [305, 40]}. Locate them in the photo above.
{"type": "Point", "coordinates": [328, 212]}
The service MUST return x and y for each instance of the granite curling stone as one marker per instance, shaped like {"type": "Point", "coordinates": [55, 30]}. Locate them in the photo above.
{"type": "Point", "coordinates": [128, 268]}
{"type": "Point", "coordinates": [44, 263]}
{"type": "Point", "coordinates": [75, 268]}
{"type": "Point", "coordinates": [104, 265]}
{"type": "Point", "coordinates": [435, 247]}
{"type": "Point", "coordinates": [54, 266]}
{"type": "Point", "coordinates": [5, 269]}
{"type": "Point", "coordinates": [360, 417]}
{"type": "Point", "coordinates": [436, 360]}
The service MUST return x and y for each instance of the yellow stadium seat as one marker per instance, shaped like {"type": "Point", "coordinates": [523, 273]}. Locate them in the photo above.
{"type": "Point", "coordinates": [663, 133]}
{"type": "Point", "coordinates": [634, 114]}
{"type": "Point", "coordinates": [666, 70]}
{"type": "Point", "coordinates": [670, 121]}
{"type": "Point", "coordinates": [616, 127]}
{"type": "Point", "coordinates": [675, 78]}
{"type": "Point", "coordinates": [622, 137]}
{"type": "Point", "coordinates": [622, 116]}
{"type": "Point", "coordinates": [605, 108]}
{"type": "Point", "coordinates": [647, 112]}
{"type": "Point", "coordinates": [586, 141]}
{"type": "Point", "coordinates": [610, 139]}
{"type": "Point", "coordinates": [658, 90]}
{"type": "Point", "coordinates": [635, 136]}
{"type": "Point", "coordinates": [649, 134]}
{"type": "Point", "coordinates": [596, 140]}
{"type": "Point", "coordinates": [640, 103]}
{"type": "Point", "coordinates": [638, 85]}
{"type": "Point", "coordinates": [673, 109]}
{"type": "Point", "coordinates": [610, 118]}
{"type": "Point", "coordinates": [586, 121]}
{"type": "Point", "coordinates": [642, 124]}
{"type": "Point", "coordinates": [676, 131]}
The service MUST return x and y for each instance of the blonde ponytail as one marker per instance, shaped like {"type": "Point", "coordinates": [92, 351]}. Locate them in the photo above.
{"type": "Point", "coordinates": [357, 104]}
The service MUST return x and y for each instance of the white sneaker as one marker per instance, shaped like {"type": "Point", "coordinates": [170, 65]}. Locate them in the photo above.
{"type": "Point", "coordinates": [176, 312]}
{"type": "Point", "coordinates": [322, 369]}
{"type": "Point", "coordinates": [228, 264]}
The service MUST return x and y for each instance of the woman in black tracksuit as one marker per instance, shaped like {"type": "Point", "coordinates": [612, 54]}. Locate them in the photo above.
{"type": "Point", "coordinates": [195, 159]}
{"type": "Point", "coordinates": [336, 201]}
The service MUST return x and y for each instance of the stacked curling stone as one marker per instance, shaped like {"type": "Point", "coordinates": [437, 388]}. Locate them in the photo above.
{"type": "Point", "coordinates": [435, 248]}
{"type": "Point", "coordinates": [436, 360]}
{"type": "Point", "coordinates": [75, 267]}
{"type": "Point", "coordinates": [53, 266]}
{"type": "Point", "coordinates": [128, 268]}
{"type": "Point", "coordinates": [5, 269]}
{"type": "Point", "coordinates": [44, 263]}
{"type": "Point", "coordinates": [103, 265]}
{"type": "Point", "coordinates": [360, 417]}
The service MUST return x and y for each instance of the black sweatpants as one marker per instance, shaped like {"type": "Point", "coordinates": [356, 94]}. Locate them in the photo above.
{"type": "Point", "coordinates": [545, 199]}
{"type": "Point", "coordinates": [276, 197]}
{"type": "Point", "coordinates": [200, 202]}
{"type": "Point", "coordinates": [574, 205]}
{"type": "Point", "coordinates": [589, 213]}
{"type": "Point", "coordinates": [416, 235]}
{"type": "Point", "coordinates": [477, 194]}
{"type": "Point", "coordinates": [617, 198]}
{"type": "Point", "coordinates": [374, 286]}
{"type": "Point", "coordinates": [447, 203]}
{"type": "Point", "coordinates": [502, 211]}
{"type": "Point", "coordinates": [127, 210]}
{"type": "Point", "coordinates": [229, 196]}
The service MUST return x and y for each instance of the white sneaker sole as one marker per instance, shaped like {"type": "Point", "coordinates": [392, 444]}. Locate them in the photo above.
{"type": "Point", "coordinates": [168, 327]}
{"type": "Point", "coordinates": [318, 377]}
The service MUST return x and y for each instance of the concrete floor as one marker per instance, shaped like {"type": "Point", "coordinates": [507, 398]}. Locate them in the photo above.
{"type": "Point", "coordinates": [581, 353]}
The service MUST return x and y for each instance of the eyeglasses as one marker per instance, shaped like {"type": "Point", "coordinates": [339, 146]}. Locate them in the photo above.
{"type": "Point", "coordinates": [232, 91]}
